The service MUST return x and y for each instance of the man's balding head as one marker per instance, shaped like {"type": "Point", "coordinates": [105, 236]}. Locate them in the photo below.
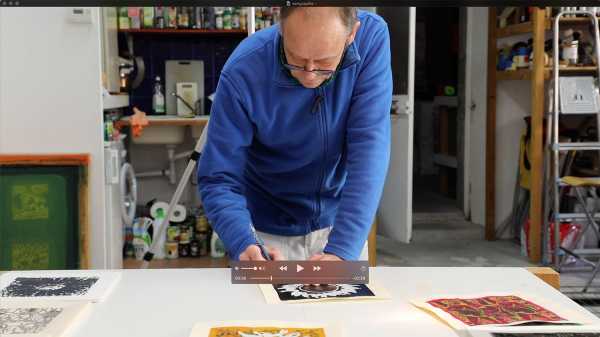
{"type": "Point", "coordinates": [315, 37]}
{"type": "Point", "coordinates": [347, 15]}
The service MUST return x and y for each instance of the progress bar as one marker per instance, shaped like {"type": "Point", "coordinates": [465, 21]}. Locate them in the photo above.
{"type": "Point", "coordinates": [308, 272]}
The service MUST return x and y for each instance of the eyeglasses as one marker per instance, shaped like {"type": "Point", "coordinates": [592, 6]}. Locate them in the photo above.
{"type": "Point", "coordinates": [318, 72]}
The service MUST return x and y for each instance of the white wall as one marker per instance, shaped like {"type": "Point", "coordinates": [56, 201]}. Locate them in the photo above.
{"type": "Point", "coordinates": [147, 158]}
{"type": "Point", "coordinates": [513, 103]}
{"type": "Point", "coordinates": [50, 85]}
{"type": "Point", "coordinates": [478, 17]}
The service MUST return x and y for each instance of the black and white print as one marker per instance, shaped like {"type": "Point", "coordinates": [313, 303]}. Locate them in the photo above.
{"type": "Point", "coordinates": [291, 292]}
{"type": "Point", "coordinates": [48, 286]}
{"type": "Point", "coordinates": [16, 321]}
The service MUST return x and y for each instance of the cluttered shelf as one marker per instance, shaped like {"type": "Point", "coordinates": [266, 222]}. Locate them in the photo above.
{"type": "Point", "coordinates": [517, 29]}
{"type": "Point", "coordinates": [525, 74]}
{"type": "Point", "coordinates": [185, 31]}
{"type": "Point", "coordinates": [514, 75]}
{"type": "Point", "coordinates": [526, 27]}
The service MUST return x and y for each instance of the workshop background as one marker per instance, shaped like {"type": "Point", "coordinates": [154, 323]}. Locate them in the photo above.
{"type": "Point", "coordinates": [123, 94]}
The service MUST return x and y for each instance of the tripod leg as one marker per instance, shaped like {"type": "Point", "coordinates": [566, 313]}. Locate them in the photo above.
{"type": "Point", "coordinates": [178, 192]}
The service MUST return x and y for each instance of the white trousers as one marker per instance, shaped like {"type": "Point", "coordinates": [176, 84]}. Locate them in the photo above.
{"type": "Point", "coordinates": [304, 246]}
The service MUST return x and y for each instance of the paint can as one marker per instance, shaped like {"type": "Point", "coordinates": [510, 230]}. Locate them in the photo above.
{"type": "Point", "coordinates": [203, 243]}
{"type": "Point", "coordinates": [194, 249]}
{"type": "Point", "coordinates": [184, 249]}
{"type": "Point", "coordinates": [172, 249]}
{"type": "Point", "coordinates": [185, 233]}
{"type": "Point", "coordinates": [202, 223]}
{"type": "Point", "coordinates": [570, 52]}
{"type": "Point", "coordinates": [140, 247]}
{"type": "Point", "coordinates": [173, 233]}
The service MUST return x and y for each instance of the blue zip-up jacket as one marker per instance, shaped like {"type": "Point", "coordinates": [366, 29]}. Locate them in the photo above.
{"type": "Point", "coordinates": [292, 160]}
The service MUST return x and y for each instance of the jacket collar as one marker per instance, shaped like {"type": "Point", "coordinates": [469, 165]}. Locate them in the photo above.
{"type": "Point", "coordinates": [283, 78]}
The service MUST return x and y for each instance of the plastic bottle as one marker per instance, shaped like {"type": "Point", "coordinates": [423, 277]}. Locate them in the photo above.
{"type": "Point", "coordinates": [209, 18]}
{"type": "Point", "coordinates": [219, 18]}
{"type": "Point", "coordinates": [124, 18]}
{"type": "Point", "coordinates": [276, 11]}
{"type": "Point", "coordinates": [134, 14]}
{"type": "Point", "coordinates": [235, 18]}
{"type": "Point", "coordinates": [217, 249]}
{"type": "Point", "coordinates": [172, 17]}
{"type": "Point", "coordinates": [199, 24]}
{"type": "Point", "coordinates": [227, 18]}
{"type": "Point", "coordinates": [148, 18]}
{"type": "Point", "coordinates": [160, 246]}
{"type": "Point", "coordinates": [243, 17]}
{"type": "Point", "coordinates": [158, 99]}
{"type": "Point", "coordinates": [258, 18]}
{"type": "Point", "coordinates": [183, 18]}
{"type": "Point", "coordinates": [159, 17]}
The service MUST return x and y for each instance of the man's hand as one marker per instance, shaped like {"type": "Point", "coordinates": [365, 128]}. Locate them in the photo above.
{"type": "Point", "coordinates": [253, 253]}
{"type": "Point", "coordinates": [324, 257]}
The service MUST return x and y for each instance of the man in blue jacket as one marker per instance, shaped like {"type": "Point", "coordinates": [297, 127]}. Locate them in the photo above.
{"type": "Point", "coordinates": [299, 137]}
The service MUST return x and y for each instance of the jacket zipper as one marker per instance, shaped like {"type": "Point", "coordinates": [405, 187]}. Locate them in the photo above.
{"type": "Point", "coordinates": [318, 108]}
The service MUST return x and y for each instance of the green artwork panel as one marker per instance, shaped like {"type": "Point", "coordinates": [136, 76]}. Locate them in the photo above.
{"type": "Point", "coordinates": [39, 218]}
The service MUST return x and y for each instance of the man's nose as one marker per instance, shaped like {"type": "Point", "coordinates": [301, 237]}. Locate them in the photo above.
{"type": "Point", "coordinates": [309, 66]}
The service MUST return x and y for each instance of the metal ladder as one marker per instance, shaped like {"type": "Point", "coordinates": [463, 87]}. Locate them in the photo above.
{"type": "Point", "coordinates": [553, 167]}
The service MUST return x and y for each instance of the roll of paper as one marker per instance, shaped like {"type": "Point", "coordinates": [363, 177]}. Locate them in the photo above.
{"type": "Point", "coordinates": [179, 213]}
{"type": "Point", "coordinates": [159, 205]}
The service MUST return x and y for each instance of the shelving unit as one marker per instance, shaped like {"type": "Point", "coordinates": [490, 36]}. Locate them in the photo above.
{"type": "Point", "coordinates": [537, 74]}
{"type": "Point", "coordinates": [519, 29]}
{"type": "Point", "coordinates": [186, 31]}
{"type": "Point", "coordinates": [513, 75]}
{"type": "Point", "coordinates": [527, 27]}
{"type": "Point", "coordinates": [525, 74]}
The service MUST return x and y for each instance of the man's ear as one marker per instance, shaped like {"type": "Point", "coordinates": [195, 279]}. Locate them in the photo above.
{"type": "Point", "coordinates": [354, 30]}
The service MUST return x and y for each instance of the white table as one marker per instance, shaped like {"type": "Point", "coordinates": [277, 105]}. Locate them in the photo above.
{"type": "Point", "coordinates": [168, 302]}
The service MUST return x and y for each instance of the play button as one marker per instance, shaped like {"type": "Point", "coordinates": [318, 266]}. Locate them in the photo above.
{"type": "Point", "coordinates": [299, 268]}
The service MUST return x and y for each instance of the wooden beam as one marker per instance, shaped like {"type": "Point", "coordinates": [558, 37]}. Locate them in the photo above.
{"type": "Point", "coordinates": [510, 30]}
{"type": "Point", "coordinates": [490, 142]}
{"type": "Point", "coordinates": [84, 226]}
{"type": "Point", "coordinates": [77, 159]}
{"type": "Point", "coordinates": [548, 275]}
{"type": "Point", "coordinates": [537, 126]}
{"type": "Point", "coordinates": [373, 244]}
{"type": "Point", "coordinates": [526, 27]}
{"type": "Point", "coordinates": [513, 75]}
